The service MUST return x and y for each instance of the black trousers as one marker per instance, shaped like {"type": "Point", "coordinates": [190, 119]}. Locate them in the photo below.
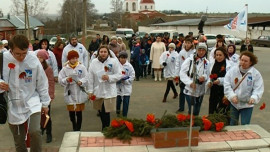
{"type": "Point", "coordinates": [169, 86]}
{"type": "Point", "coordinates": [76, 123]}
{"type": "Point", "coordinates": [143, 70]}
{"type": "Point", "coordinates": [104, 117]}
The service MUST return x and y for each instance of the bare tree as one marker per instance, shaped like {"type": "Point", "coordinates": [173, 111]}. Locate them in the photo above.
{"type": "Point", "coordinates": [35, 7]}
{"type": "Point", "coordinates": [117, 6]}
{"type": "Point", "coordinates": [117, 11]}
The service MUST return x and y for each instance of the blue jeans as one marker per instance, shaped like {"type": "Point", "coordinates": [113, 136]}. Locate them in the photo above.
{"type": "Point", "coordinates": [245, 115]}
{"type": "Point", "coordinates": [197, 104]}
{"type": "Point", "coordinates": [125, 100]}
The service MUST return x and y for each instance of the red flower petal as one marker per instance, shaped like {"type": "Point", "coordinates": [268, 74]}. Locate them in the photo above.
{"type": "Point", "coordinates": [22, 75]}
{"type": "Point", "coordinates": [183, 58]}
{"type": "Point", "coordinates": [123, 72]}
{"type": "Point", "coordinates": [181, 117]}
{"type": "Point", "coordinates": [176, 79]}
{"type": "Point", "coordinates": [115, 124]}
{"type": "Point", "coordinates": [150, 118]}
{"type": "Point", "coordinates": [219, 126]}
{"type": "Point", "coordinates": [11, 66]}
{"type": "Point", "coordinates": [207, 124]}
{"type": "Point", "coordinates": [168, 55]}
{"type": "Point", "coordinates": [69, 80]}
{"type": "Point", "coordinates": [129, 126]}
{"type": "Point", "coordinates": [93, 98]}
{"type": "Point", "coordinates": [235, 80]}
{"type": "Point", "coordinates": [262, 106]}
{"type": "Point", "coordinates": [222, 68]}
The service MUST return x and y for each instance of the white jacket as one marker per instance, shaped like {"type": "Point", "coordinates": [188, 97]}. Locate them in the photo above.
{"type": "Point", "coordinates": [83, 54]}
{"type": "Point", "coordinates": [221, 79]}
{"type": "Point", "coordinates": [104, 89]}
{"type": "Point", "coordinates": [251, 87]}
{"type": "Point", "coordinates": [28, 85]}
{"type": "Point", "coordinates": [235, 59]}
{"type": "Point", "coordinates": [183, 54]}
{"type": "Point", "coordinates": [212, 55]}
{"type": "Point", "coordinates": [202, 67]}
{"type": "Point", "coordinates": [52, 62]}
{"type": "Point", "coordinates": [124, 87]}
{"type": "Point", "coordinates": [170, 59]}
{"type": "Point", "coordinates": [73, 94]}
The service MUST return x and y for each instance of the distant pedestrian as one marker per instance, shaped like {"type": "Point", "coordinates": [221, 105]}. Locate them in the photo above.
{"type": "Point", "coordinates": [168, 60]}
{"type": "Point", "coordinates": [36, 45]}
{"type": "Point", "coordinates": [105, 40]}
{"type": "Point", "coordinates": [114, 46]}
{"type": "Point", "coordinates": [143, 62]}
{"type": "Point", "coordinates": [73, 77]}
{"type": "Point", "coordinates": [93, 46]}
{"type": "Point", "coordinates": [246, 46]}
{"type": "Point", "coordinates": [234, 58]}
{"type": "Point", "coordinates": [124, 85]}
{"type": "Point", "coordinates": [58, 51]}
{"type": "Point", "coordinates": [43, 55]}
{"type": "Point", "coordinates": [122, 44]}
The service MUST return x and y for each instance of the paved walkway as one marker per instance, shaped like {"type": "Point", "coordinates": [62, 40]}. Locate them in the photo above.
{"type": "Point", "coordinates": [235, 138]}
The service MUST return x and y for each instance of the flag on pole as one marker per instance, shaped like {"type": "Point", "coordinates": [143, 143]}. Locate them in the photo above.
{"type": "Point", "coordinates": [239, 23]}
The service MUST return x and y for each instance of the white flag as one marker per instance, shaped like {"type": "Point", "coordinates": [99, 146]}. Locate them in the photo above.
{"type": "Point", "coordinates": [239, 22]}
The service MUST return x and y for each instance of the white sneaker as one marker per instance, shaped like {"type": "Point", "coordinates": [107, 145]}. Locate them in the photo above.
{"type": "Point", "coordinates": [160, 79]}
{"type": "Point", "coordinates": [155, 79]}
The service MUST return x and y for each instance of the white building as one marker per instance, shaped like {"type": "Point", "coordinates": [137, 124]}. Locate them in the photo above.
{"type": "Point", "coordinates": [145, 5]}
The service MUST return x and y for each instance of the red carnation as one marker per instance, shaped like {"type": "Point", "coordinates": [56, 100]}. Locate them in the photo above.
{"type": "Point", "coordinates": [222, 68]}
{"type": "Point", "coordinates": [183, 58]}
{"type": "Point", "coordinates": [168, 55]}
{"type": "Point", "coordinates": [106, 68]}
{"type": "Point", "coordinates": [262, 106]}
{"type": "Point", "coordinates": [181, 117]}
{"type": "Point", "coordinates": [219, 126]}
{"type": "Point", "coordinates": [11, 66]}
{"type": "Point", "coordinates": [123, 72]}
{"type": "Point", "coordinates": [188, 116]}
{"type": "Point", "coordinates": [150, 118]}
{"type": "Point", "coordinates": [213, 76]}
{"type": "Point", "coordinates": [235, 80]}
{"type": "Point", "coordinates": [207, 124]}
{"type": "Point", "coordinates": [176, 79]}
{"type": "Point", "coordinates": [93, 97]}
{"type": "Point", "coordinates": [129, 126]}
{"type": "Point", "coordinates": [22, 75]}
{"type": "Point", "coordinates": [115, 124]}
{"type": "Point", "coordinates": [204, 62]}
{"type": "Point", "coordinates": [69, 80]}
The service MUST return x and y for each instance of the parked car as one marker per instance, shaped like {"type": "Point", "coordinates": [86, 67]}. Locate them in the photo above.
{"type": "Point", "coordinates": [232, 39]}
{"type": "Point", "coordinates": [261, 41]}
{"type": "Point", "coordinates": [124, 33]}
{"type": "Point", "coordinates": [53, 41]}
{"type": "Point", "coordinates": [211, 40]}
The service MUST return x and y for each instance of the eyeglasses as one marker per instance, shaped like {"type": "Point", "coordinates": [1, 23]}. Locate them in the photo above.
{"type": "Point", "coordinates": [19, 54]}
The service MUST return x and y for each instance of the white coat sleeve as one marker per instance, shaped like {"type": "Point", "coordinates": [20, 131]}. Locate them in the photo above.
{"type": "Point", "coordinates": [54, 64]}
{"type": "Point", "coordinates": [84, 78]}
{"type": "Point", "coordinates": [91, 79]}
{"type": "Point", "coordinates": [162, 58]}
{"type": "Point", "coordinates": [85, 58]}
{"type": "Point", "coordinates": [62, 78]}
{"type": "Point", "coordinates": [228, 66]}
{"type": "Point", "coordinates": [151, 53]}
{"type": "Point", "coordinates": [42, 86]}
{"type": "Point", "coordinates": [228, 90]}
{"type": "Point", "coordinates": [177, 65]}
{"type": "Point", "coordinates": [258, 88]}
{"type": "Point", "coordinates": [131, 74]}
{"type": "Point", "coordinates": [212, 55]}
{"type": "Point", "coordinates": [64, 56]}
{"type": "Point", "coordinates": [117, 73]}
{"type": "Point", "coordinates": [184, 71]}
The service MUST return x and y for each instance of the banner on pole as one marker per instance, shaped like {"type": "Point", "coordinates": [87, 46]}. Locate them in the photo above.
{"type": "Point", "coordinates": [239, 23]}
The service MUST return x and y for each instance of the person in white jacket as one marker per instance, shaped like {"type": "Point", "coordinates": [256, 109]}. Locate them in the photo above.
{"type": "Point", "coordinates": [248, 93]}
{"type": "Point", "coordinates": [44, 44]}
{"type": "Point", "coordinates": [220, 43]}
{"type": "Point", "coordinates": [75, 45]}
{"type": "Point", "coordinates": [26, 84]}
{"type": "Point", "coordinates": [74, 78]}
{"type": "Point", "coordinates": [218, 69]}
{"type": "Point", "coordinates": [194, 73]}
{"type": "Point", "coordinates": [124, 85]}
{"type": "Point", "coordinates": [104, 72]}
{"type": "Point", "coordinates": [234, 58]}
{"type": "Point", "coordinates": [168, 60]}
{"type": "Point", "coordinates": [187, 50]}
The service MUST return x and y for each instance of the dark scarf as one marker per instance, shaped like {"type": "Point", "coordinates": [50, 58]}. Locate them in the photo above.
{"type": "Point", "coordinates": [219, 68]}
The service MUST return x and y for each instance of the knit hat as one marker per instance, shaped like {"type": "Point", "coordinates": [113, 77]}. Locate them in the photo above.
{"type": "Point", "coordinates": [171, 45]}
{"type": "Point", "coordinates": [119, 38]}
{"type": "Point", "coordinates": [113, 38]}
{"type": "Point", "coordinates": [72, 54]}
{"type": "Point", "coordinates": [43, 54]}
{"type": "Point", "coordinates": [202, 46]}
{"type": "Point", "coordinates": [123, 54]}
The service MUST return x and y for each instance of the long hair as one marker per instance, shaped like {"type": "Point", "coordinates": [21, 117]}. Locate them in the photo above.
{"type": "Point", "coordinates": [106, 47]}
{"type": "Point", "coordinates": [46, 41]}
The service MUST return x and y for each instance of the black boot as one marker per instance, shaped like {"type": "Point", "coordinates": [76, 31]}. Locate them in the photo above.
{"type": "Point", "coordinates": [49, 138]}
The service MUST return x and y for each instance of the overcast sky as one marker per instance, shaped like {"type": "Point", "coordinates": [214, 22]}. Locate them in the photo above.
{"type": "Point", "coordinates": [223, 6]}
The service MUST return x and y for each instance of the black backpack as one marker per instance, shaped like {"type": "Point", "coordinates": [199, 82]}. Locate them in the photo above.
{"type": "Point", "coordinates": [3, 97]}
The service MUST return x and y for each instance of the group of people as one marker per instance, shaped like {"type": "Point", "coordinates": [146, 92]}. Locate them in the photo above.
{"type": "Point", "coordinates": [106, 78]}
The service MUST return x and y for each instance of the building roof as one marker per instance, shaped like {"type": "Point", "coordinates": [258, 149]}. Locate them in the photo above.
{"type": "Point", "coordinates": [147, 1]}
{"type": "Point", "coordinates": [18, 22]}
